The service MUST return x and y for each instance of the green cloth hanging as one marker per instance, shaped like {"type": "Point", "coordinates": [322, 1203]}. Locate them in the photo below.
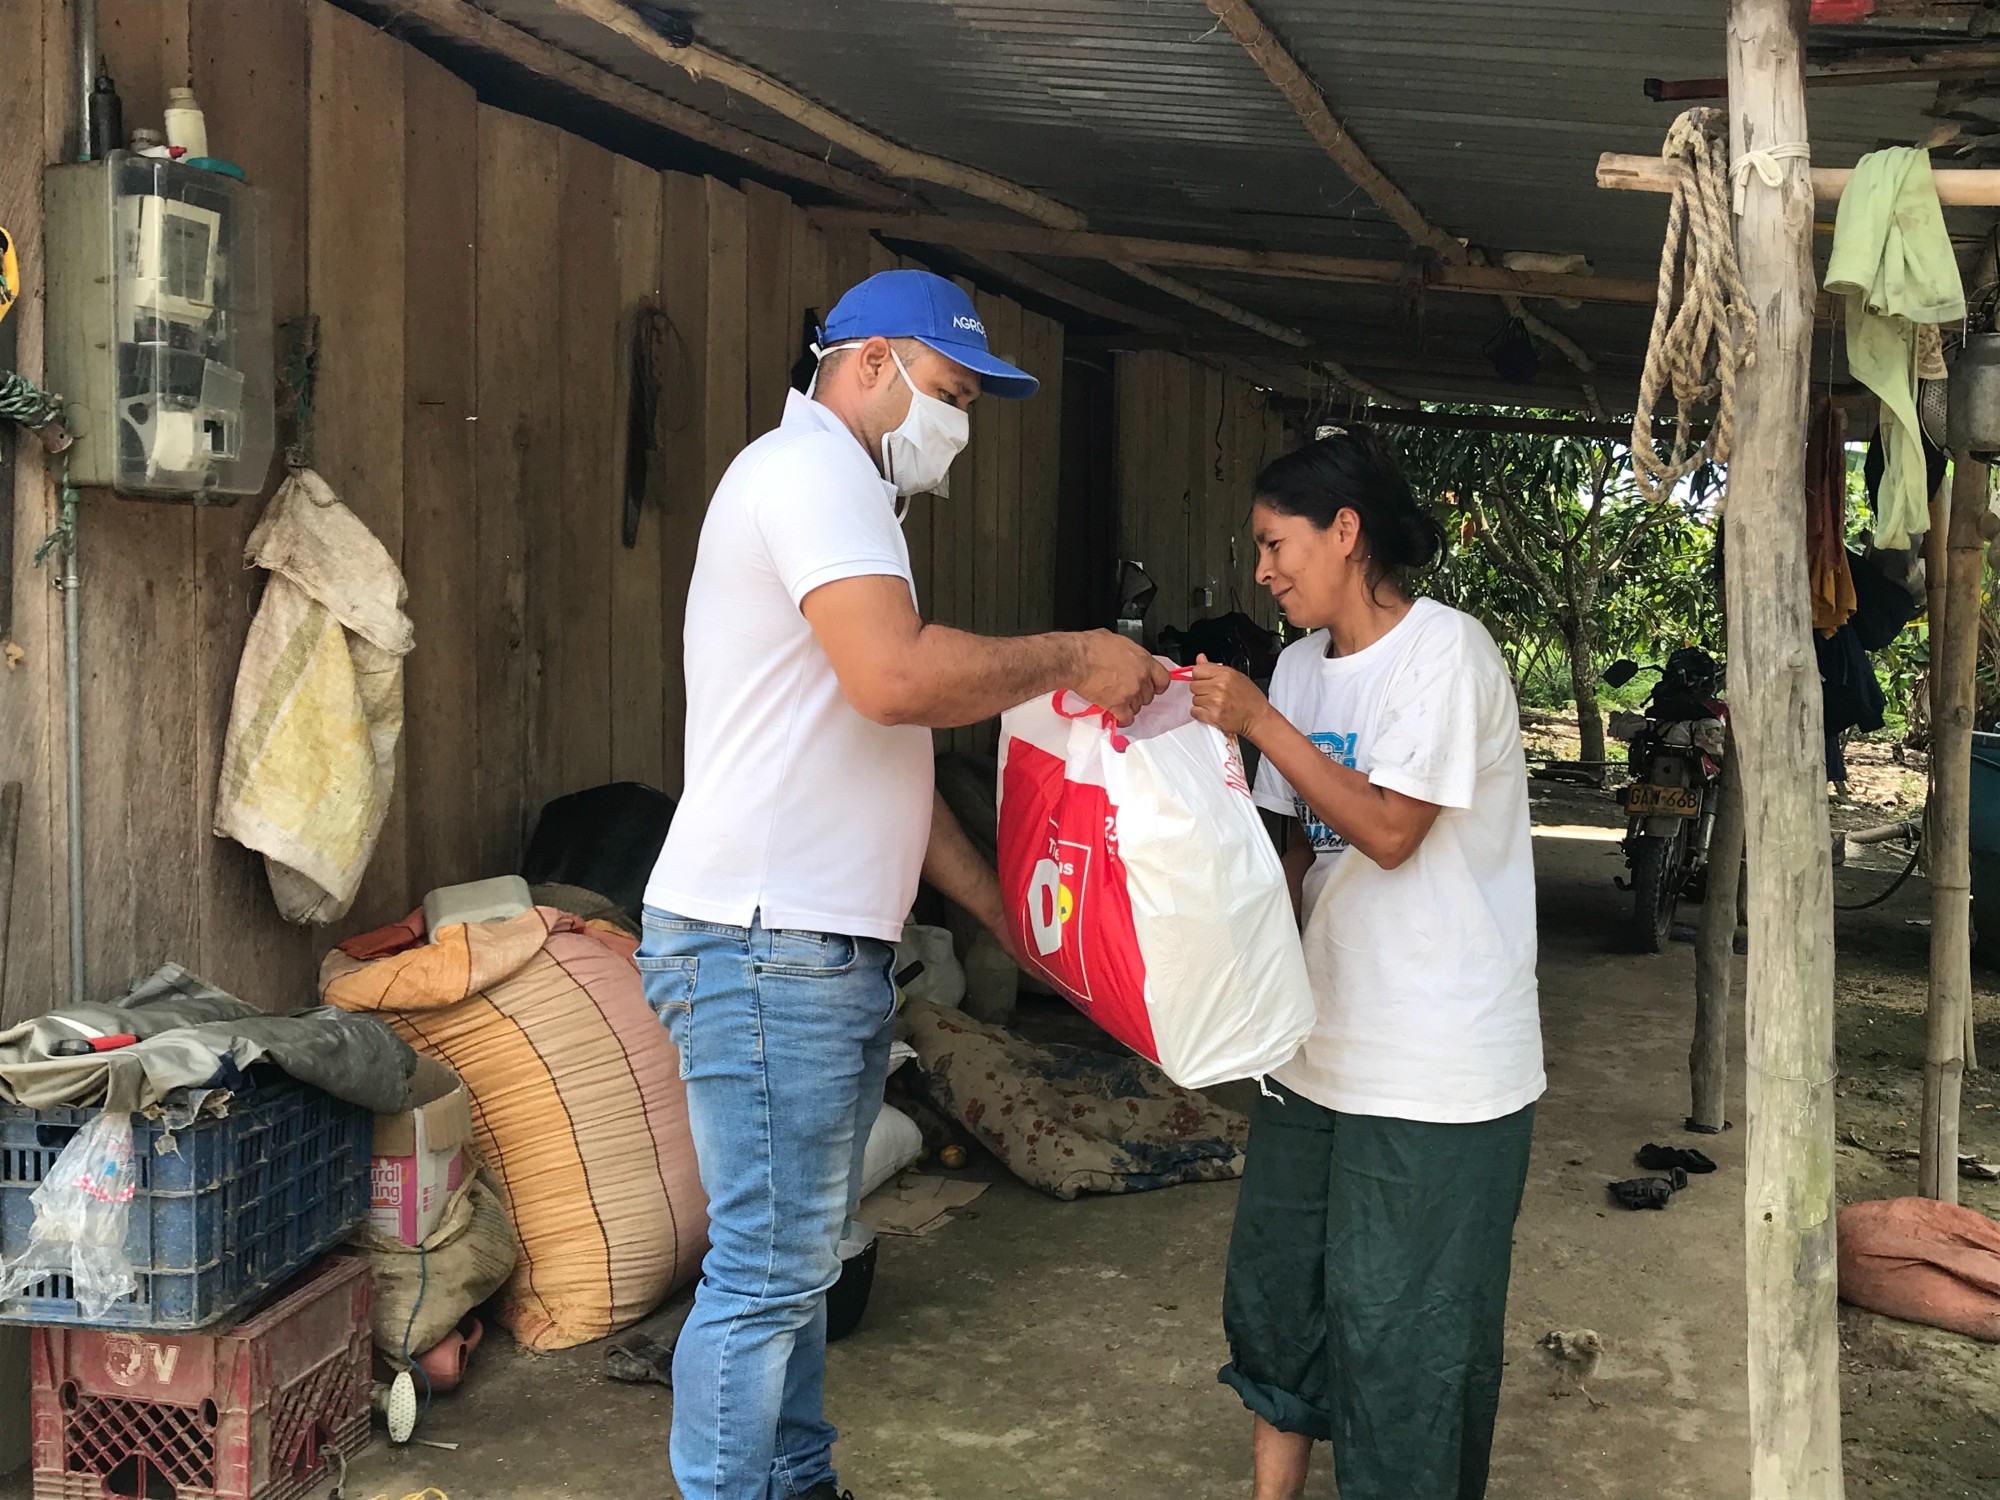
{"type": "Point", "coordinates": [1893, 262]}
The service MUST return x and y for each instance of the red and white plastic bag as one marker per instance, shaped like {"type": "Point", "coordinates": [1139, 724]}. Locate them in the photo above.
{"type": "Point", "coordinates": [1141, 883]}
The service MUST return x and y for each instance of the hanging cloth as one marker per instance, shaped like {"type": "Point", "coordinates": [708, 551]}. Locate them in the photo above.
{"type": "Point", "coordinates": [1893, 262]}
{"type": "Point", "coordinates": [309, 761]}
{"type": "Point", "coordinates": [1826, 518]}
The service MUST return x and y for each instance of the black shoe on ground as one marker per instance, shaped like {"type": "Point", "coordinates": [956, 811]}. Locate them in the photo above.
{"type": "Point", "coordinates": [1663, 1158]}
{"type": "Point", "coordinates": [827, 1492]}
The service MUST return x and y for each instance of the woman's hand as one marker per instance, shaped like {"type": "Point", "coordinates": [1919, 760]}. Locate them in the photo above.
{"type": "Point", "coordinates": [1227, 699]}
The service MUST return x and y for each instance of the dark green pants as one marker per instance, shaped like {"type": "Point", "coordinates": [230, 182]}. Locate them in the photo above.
{"type": "Point", "coordinates": [1367, 1290]}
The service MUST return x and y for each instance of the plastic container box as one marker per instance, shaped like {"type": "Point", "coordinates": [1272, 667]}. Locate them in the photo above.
{"type": "Point", "coordinates": [159, 327]}
{"type": "Point", "coordinates": [254, 1413]}
{"type": "Point", "coordinates": [231, 1208]}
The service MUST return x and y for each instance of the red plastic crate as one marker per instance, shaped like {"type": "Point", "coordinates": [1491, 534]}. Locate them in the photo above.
{"type": "Point", "coordinates": [250, 1414]}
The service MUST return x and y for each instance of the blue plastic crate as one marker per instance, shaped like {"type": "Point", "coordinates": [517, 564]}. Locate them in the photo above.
{"type": "Point", "coordinates": [231, 1208]}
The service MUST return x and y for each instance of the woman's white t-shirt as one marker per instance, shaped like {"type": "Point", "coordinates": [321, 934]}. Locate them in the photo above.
{"type": "Point", "coordinates": [1425, 974]}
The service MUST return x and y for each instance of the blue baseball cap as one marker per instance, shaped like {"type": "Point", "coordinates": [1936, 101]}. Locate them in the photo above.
{"type": "Point", "coordinates": [918, 305]}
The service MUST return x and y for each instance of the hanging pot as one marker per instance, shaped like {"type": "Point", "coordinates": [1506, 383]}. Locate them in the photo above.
{"type": "Point", "coordinates": [1972, 419]}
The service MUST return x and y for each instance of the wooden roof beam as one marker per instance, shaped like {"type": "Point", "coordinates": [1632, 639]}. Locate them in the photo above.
{"type": "Point", "coordinates": [1033, 239]}
{"type": "Point", "coordinates": [1509, 422]}
{"type": "Point", "coordinates": [1960, 187]}
{"type": "Point", "coordinates": [1385, 363]}
{"type": "Point", "coordinates": [1031, 277]}
{"type": "Point", "coordinates": [1309, 104]}
{"type": "Point", "coordinates": [1856, 69]}
{"type": "Point", "coordinates": [468, 26]}
{"type": "Point", "coordinates": [890, 157]}
{"type": "Point", "coordinates": [1257, 323]}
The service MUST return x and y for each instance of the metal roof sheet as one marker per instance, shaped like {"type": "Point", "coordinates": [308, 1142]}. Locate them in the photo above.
{"type": "Point", "coordinates": [1150, 119]}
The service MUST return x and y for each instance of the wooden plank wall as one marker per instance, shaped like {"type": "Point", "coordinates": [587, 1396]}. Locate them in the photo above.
{"type": "Point", "coordinates": [35, 112]}
{"type": "Point", "coordinates": [473, 384]}
{"type": "Point", "coordinates": [1189, 442]}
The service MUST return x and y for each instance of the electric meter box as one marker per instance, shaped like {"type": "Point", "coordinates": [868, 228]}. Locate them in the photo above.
{"type": "Point", "coordinates": [159, 327]}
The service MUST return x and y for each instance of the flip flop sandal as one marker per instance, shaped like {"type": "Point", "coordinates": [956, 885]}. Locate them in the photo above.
{"type": "Point", "coordinates": [641, 1360]}
{"type": "Point", "coordinates": [1659, 1158]}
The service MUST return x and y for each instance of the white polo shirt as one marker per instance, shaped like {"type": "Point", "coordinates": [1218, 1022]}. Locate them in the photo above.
{"type": "Point", "coordinates": [797, 810]}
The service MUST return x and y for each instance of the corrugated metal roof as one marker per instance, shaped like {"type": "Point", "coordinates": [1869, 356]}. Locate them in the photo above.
{"type": "Point", "coordinates": [1150, 119]}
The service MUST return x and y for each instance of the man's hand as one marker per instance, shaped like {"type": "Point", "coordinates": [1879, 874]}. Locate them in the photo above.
{"type": "Point", "coordinates": [895, 669]}
{"type": "Point", "coordinates": [1227, 699]}
{"type": "Point", "coordinates": [1117, 675]}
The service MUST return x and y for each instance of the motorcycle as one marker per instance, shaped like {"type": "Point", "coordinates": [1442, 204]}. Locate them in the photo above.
{"type": "Point", "coordinates": [1675, 751]}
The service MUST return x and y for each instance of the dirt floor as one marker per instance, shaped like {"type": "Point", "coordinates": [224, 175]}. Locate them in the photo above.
{"type": "Point", "coordinates": [1042, 1349]}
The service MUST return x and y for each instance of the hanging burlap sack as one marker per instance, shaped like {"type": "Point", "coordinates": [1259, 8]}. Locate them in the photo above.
{"type": "Point", "coordinates": [309, 761]}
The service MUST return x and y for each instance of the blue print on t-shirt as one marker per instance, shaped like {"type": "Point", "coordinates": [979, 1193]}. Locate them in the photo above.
{"type": "Point", "coordinates": [1336, 747]}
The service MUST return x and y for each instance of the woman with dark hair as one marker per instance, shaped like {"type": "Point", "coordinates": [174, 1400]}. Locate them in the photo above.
{"type": "Point", "coordinates": [1367, 1281]}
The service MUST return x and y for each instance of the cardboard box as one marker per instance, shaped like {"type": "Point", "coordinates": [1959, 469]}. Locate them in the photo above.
{"type": "Point", "coordinates": [419, 1157]}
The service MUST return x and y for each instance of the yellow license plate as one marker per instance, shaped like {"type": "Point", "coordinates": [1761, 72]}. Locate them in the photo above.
{"type": "Point", "coordinates": [1644, 799]}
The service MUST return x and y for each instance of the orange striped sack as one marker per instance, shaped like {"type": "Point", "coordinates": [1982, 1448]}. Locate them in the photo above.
{"type": "Point", "coordinates": [577, 1104]}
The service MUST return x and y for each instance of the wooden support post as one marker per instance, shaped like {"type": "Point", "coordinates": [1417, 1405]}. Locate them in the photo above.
{"type": "Point", "coordinates": [1715, 956]}
{"type": "Point", "coordinates": [1775, 702]}
{"type": "Point", "coordinates": [1953, 691]}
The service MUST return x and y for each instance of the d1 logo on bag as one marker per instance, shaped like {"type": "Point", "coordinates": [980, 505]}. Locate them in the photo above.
{"type": "Point", "coordinates": [1139, 881]}
{"type": "Point", "coordinates": [1065, 892]}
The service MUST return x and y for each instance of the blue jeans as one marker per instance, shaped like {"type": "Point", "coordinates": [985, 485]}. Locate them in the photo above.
{"type": "Point", "coordinates": [784, 1043]}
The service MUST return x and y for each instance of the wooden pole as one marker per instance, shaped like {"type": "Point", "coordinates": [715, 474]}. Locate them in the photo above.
{"type": "Point", "coordinates": [10, 833]}
{"type": "Point", "coordinates": [1291, 80]}
{"type": "Point", "coordinates": [893, 159]}
{"type": "Point", "coordinates": [468, 26]}
{"type": "Point", "coordinates": [1715, 956]}
{"type": "Point", "coordinates": [1310, 105]}
{"type": "Point", "coordinates": [1953, 692]}
{"type": "Point", "coordinates": [952, 232]}
{"type": "Point", "coordinates": [1964, 187]}
{"type": "Point", "coordinates": [1469, 421]}
{"type": "Point", "coordinates": [1775, 706]}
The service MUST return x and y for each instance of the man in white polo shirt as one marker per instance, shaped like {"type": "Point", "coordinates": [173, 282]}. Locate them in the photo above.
{"type": "Point", "coordinates": [808, 817]}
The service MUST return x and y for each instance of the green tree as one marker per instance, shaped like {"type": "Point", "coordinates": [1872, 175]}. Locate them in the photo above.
{"type": "Point", "coordinates": [1555, 542]}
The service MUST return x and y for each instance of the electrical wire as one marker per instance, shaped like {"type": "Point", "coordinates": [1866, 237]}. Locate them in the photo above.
{"type": "Point", "coordinates": [423, 1284]}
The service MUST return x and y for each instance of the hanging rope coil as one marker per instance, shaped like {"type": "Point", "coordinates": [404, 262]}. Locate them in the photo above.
{"type": "Point", "coordinates": [1695, 350]}
{"type": "Point", "coordinates": [40, 411]}
{"type": "Point", "coordinates": [61, 542]}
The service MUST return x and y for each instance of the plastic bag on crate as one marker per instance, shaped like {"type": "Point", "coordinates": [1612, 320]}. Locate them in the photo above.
{"type": "Point", "coordinates": [1140, 881]}
{"type": "Point", "coordinates": [81, 1210]}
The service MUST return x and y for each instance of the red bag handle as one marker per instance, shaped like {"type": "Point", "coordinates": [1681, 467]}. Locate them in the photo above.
{"type": "Point", "coordinates": [1109, 721]}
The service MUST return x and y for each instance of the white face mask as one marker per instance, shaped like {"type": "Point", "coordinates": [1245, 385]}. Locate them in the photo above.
{"type": "Point", "coordinates": [917, 453]}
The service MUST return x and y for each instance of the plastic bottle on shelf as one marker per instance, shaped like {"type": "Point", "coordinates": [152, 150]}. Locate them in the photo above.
{"type": "Point", "coordinates": [185, 126]}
